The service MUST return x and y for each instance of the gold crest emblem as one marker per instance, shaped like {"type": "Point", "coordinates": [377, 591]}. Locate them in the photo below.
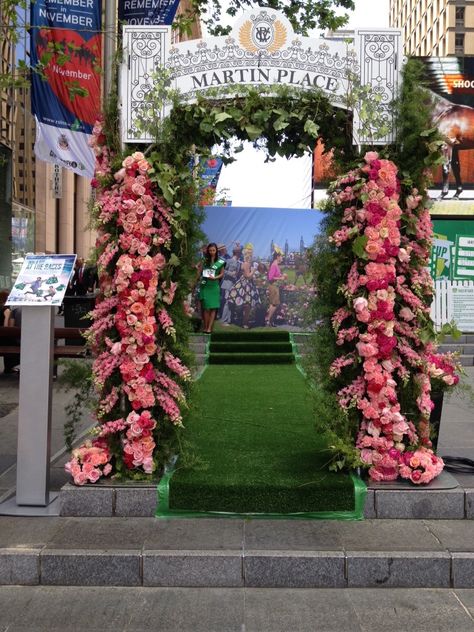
{"type": "Point", "coordinates": [247, 37]}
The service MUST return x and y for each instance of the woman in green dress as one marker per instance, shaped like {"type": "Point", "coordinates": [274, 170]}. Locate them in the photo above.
{"type": "Point", "coordinates": [210, 272]}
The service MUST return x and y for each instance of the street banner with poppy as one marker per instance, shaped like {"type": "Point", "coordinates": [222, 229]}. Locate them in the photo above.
{"type": "Point", "coordinates": [148, 12]}
{"type": "Point", "coordinates": [66, 53]}
{"type": "Point", "coordinates": [209, 172]}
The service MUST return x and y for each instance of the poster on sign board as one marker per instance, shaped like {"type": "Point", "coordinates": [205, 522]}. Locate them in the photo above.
{"type": "Point", "coordinates": [43, 280]}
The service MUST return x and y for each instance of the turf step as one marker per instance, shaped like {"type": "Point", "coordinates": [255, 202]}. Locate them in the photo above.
{"type": "Point", "coordinates": [251, 358]}
{"type": "Point", "coordinates": [251, 347]}
{"type": "Point", "coordinates": [250, 336]}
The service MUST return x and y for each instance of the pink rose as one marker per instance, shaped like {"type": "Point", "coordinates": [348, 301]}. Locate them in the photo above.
{"type": "Point", "coordinates": [366, 350]}
{"type": "Point", "coordinates": [407, 314]}
{"type": "Point", "coordinates": [370, 156]}
{"type": "Point", "coordinates": [360, 303]}
{"type": "Point", "coordinates": [128, 162]}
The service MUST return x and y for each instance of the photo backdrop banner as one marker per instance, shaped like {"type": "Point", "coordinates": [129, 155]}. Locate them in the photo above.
{"type": "Point", "coordinates": [253, 235]}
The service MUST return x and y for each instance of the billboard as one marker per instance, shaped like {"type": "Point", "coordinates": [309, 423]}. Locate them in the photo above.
{"type": "Point", "coordinates": [451, 84]}
{"type": "Point", "coordinates": [66, 58]}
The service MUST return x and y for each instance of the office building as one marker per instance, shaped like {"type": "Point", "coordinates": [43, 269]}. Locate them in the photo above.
{"type": "Point", "coordinates": [43, 208]}
{"type": "Point", "coordinates": [435, 27]}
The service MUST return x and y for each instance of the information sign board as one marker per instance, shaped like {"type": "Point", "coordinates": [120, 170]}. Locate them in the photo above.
{"type": "Point", "coordinates": [43, 280]}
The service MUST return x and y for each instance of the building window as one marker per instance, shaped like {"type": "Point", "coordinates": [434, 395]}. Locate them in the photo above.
{"type": "Point", "coordinates": [459, 44]}
{"type": "Point", "coordinates": [460, 12]}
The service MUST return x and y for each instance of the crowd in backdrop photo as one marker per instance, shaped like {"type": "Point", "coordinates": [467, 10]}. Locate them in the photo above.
{"type": "Point", "coordinates": [266, 279]}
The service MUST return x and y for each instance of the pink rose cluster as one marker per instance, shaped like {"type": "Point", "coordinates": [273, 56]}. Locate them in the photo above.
{"type": "Point", "coordinates": [89, 462]}
{"type": "Point", "coordinates": [135, 372]}
{"type": "Point", "coordinates": [388, 294]}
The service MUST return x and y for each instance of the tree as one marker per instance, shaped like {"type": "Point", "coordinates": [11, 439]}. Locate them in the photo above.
{"type": "Point", "coordinates": [304, 15]}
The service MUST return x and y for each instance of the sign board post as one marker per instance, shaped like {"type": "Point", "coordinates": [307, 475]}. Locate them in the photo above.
{"type": "Point", "coordinates": [38, 289]}
{"type": "Point", "coordinates": [34, 416]}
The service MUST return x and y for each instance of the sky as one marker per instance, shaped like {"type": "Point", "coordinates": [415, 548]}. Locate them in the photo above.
{"type": "Point", "coordinates": [286, 183]}
{"type": "Point", "coordinates": [261, 227]}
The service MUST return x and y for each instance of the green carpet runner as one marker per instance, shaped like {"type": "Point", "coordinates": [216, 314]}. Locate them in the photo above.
{"type": "Point", "coordinates": [251, 347]}
{"type": "Point", "coordinates": [251, 431]}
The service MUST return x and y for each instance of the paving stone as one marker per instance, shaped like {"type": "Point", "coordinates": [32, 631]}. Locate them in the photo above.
{"type": "Point", "coordinates": [464, 479]}
{"type": "Point", "coordinates": [463, 570]}
{"type": "Point", "coordinates": [102, 533]}
{"type": "Point", "coordinates": [116, 609]}
{"type": "Point", "coordinates": [192, 568]}
{"type": "Point", "coordinates": [29, 532]}
{"type": "Point", "coordinates": [199, 534]}
{"type": "Point", "coordinates": [409, 610]}
{"type": "Point", "coordinates": [459, 428]}
{"type": "Point", "coordinates": [387, 535]}
{"type": "Point", "coordinates": [139, 502]}
{"type": "Point", "coordinates": [19, 567]}
{"type": "Point", "coordinates": [420, 504]}
{"type": "Point", "coordinates": [398, 569]}
{"type": "Point", "coordinates": [292, 535]}
{"type": "Point", "coordinates": [470, 504]}
{"type": "Point", "coordinates": [369, 507]}
{"type": "Point", "coordinates": [86, 501]}
{"type": "Point", "coordinates": [90, 568]}
{"type": "Point", "coordinates": [466, 597]}
{"type": "Point", "coordinates": [294, 569]}
{"type": "Point", "coordinates": [300, 609]}
{"type": "Point", "coordinates": [454, 535]}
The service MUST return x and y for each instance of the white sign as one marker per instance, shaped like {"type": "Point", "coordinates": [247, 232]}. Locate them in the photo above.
{"type": "Point", "coordinates": [261, 50]}
{"type": "Point", "coordinates": [463, 307]}
{"type": "Point", "coordinates": [43, 280]}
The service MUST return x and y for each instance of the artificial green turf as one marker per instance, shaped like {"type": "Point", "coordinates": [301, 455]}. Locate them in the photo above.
{"type": "Point", "coordinates": [250, 347]}
{"type": "Point", "coordinates": [251, 358]}
{"type": "Point", "coordinates": [251, 428]}
{"type": "Point", "coordinates": [265, 335]}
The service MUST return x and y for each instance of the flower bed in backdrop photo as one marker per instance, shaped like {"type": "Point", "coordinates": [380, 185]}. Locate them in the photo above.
{"type": "Point", "coordinates": [384, 355]}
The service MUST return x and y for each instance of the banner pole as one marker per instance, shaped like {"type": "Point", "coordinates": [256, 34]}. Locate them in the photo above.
{"type": "Point", "coordinates": [110, 44]}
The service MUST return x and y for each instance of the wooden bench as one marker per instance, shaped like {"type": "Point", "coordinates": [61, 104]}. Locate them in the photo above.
{"type": "Point", "coordinates": [10, 335]}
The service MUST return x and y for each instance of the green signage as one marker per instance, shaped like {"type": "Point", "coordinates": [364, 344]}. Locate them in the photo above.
{"type": "Point", "coordinates": [452, 256]}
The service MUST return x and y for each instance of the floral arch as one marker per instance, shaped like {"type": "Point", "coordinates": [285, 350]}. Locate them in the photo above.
{"type": "Point", "coordinates": [148, 222]}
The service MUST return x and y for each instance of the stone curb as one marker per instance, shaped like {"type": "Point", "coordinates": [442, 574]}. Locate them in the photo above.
{"type": "Point", "coordinates": [227, 568]}
{"type": "Point", "coordinates": [140, 502]}
{"type": "Point", "coordinates": [94, 501]}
